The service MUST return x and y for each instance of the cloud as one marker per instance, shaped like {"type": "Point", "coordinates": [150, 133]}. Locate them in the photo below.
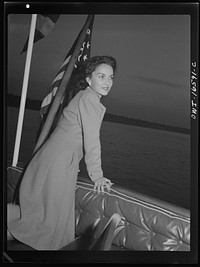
{"type": "Point", "coordinates": [158, 82]}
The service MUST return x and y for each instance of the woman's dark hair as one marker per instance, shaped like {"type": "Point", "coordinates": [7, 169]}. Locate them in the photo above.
{"type": "Point", "coordinates": [94, 62]}
{"type": "Point", "coordinates": [78, 81]}
{"type": "Point", "coordinates": [85, 70]}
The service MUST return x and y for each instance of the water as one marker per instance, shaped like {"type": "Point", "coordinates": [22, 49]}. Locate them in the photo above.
{"type": "Point", "coordinates": [150, 161]}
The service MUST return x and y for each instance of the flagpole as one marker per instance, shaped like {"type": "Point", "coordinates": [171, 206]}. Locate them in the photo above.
{"type": "Point", "coordinates": [61, 89]}
{"type": "Point", "coordinates": [24, 90]}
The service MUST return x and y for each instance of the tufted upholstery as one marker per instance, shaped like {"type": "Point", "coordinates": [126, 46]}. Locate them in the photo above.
{"type": "Point", "coordinates": [147, 224]}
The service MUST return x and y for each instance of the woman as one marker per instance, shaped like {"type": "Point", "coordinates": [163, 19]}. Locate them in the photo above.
{"type": "Point", "coordinates": [44, 218]}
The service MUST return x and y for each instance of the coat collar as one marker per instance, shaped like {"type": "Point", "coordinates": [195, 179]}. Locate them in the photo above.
{"type": "Point", "coordinates": [103, 108]}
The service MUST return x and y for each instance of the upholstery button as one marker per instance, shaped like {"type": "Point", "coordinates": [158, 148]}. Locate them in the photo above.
{"type": "Point", "coordinates": [152, 233]}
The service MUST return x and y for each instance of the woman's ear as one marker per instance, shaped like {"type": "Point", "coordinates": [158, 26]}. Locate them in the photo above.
{"type": "Point", "coordinates": [88, 80]}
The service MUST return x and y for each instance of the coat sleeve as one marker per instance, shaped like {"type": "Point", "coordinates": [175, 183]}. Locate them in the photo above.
{"type": "Point", "coordinates": [91, 123]}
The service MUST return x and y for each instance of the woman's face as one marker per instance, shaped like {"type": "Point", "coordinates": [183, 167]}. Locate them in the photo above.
{"type": "Point", "coordinates": [101, 79]}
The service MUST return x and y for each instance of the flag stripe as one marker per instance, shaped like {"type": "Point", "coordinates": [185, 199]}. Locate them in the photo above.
{"type": "Point", "coordinates": [66, 61]}
{"type": "Point", "coordinates": [84, 54]}
{"type": "Point", "coordinates": [56, 82]}
{"type": "Point", "coordinates": [38, 35]}
{"type": "Point", "coordinates": [58, 77]}
{"type": "Point", "coordinates": [44, 25]}
{"type": "Point", "coordinates": [53, 17]}
{"type": "Point", "coordinates": [49, 97]}
{"type": "Point", "coordinates": [62, 69]}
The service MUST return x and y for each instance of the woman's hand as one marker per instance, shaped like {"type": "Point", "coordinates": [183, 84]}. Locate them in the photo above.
{"type": "Point", "coordinates": [100, 183]}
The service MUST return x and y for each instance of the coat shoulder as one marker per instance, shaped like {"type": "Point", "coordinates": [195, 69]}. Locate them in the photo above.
{"type": "Point", "coordinates": [88, 95]}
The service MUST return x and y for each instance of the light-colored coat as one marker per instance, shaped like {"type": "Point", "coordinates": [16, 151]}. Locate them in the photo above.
{"type": "Point", "coordinates": [47, 191]}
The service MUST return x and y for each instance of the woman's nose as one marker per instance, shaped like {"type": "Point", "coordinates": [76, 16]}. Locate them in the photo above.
{"type": "Point", "coordinates": [107, 81]}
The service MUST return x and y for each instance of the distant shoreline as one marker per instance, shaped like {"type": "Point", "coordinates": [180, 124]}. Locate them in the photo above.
{"type": "Point", "coordinates": [14, 101]}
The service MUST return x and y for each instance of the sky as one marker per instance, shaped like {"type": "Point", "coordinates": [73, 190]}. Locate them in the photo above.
{"type": "Point", "coordinates": [152, 82]}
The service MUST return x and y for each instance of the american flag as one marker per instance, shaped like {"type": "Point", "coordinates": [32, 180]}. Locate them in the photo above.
{"type": "Point", "coordinates": [84, 54]}
{"type": "Point", "coordinates": [44, 24]}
